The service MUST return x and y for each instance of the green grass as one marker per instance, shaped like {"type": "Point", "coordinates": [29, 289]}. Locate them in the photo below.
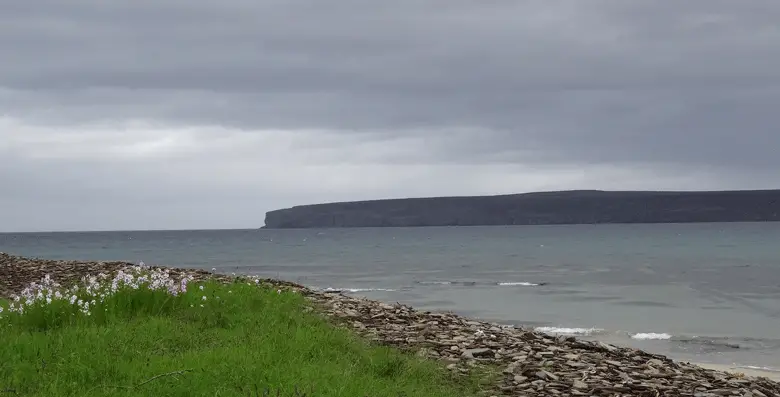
{"type": "Point", "coordinates": [249, 342]}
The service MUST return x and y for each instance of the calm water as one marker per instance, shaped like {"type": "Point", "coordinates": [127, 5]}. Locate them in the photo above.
{"type": "Point", "coordinates": [697, 292]}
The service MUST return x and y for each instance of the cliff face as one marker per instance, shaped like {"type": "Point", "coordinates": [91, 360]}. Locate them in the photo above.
{"type": "Point", "coordinates": [572, 207]}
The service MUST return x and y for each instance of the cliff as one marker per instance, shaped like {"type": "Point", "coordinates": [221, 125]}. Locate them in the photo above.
{"type": "Point", "coordinates": [545, 208]}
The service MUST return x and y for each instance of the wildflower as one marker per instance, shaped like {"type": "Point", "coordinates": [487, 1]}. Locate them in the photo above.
{"type": "Point", "coordinates": [97, 288]}
{"type": "Point", "coordinates": [201, 288]}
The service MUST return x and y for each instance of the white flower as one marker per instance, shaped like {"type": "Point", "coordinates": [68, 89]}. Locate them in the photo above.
{"type": "Point", "coordinates": [201, 288]}
{"type": "Point", "coordinates": [204, 297]}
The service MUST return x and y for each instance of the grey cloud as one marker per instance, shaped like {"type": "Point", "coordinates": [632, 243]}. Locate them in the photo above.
{"type": "Point", "coordinates": [665, 88]}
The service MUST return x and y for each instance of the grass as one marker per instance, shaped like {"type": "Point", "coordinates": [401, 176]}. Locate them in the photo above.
{"type": "Point", "coordinates": [244, 340]}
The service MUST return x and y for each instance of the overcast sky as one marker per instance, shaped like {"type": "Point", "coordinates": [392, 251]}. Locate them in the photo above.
{"type": "Point", "coordinates": [171, 114]}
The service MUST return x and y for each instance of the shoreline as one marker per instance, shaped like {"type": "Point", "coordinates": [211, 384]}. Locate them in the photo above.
{"type": "Point", "coordinates": [529, 362]}
{"type": "Point", "coordinates": [736, 369]}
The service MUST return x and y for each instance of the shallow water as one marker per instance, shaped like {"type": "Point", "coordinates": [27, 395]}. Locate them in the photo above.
{"type": "Point", "coordinates": [697, 292]}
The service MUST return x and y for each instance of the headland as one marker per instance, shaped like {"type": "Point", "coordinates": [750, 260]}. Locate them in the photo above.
{"type": "Point", "coordinates": [543, 208]}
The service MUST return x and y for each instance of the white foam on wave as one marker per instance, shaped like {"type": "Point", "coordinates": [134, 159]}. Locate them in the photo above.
{"type": "Point", "coordinates": [569, 331]}
{"type": "Point", "coordinates": [651, 336]}
{"type": "Point", "coordinates": [435, 282]}
{"type": "Point", "coordinates": [329, 289]}
{"type": "Point", "coordinates": [519, 283]}
{"type": "Point", "coordinates": [758, 368]}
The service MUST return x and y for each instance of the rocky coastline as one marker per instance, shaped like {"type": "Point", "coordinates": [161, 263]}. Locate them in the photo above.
{"type": "Point", "coordinates": [526, 362]}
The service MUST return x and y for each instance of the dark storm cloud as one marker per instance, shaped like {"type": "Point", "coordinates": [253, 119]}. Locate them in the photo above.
{"type": "Point", "coordinates": [666, 89]}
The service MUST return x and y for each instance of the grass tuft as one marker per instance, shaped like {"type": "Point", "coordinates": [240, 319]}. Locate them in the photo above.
{"type": "Point", "coordinates": [240, 340]}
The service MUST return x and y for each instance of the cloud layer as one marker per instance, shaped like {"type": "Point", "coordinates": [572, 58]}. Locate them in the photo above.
{"type": "Point", "coordinates": [200, 114]}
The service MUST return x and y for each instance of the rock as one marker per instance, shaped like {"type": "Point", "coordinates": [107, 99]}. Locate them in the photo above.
{"type": "Point", "coordinates": [580, 385]}
{"type": "Point", "coordinates": [655, 362]}
{"type": "Point", "coordinates": [520, 379]}
{"type": "Point", "coordinates": [478, 353]}
{"type": "Point", "coordinates": [608, 347]}
{"type": "Point", "coordinates": [511, 368]}
{"type": "Point", "coordinates": [544, 375]}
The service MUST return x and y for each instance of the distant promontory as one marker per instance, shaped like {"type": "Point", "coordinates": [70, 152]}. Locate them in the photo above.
{"type": "Point", "coordinates": [544, 208]}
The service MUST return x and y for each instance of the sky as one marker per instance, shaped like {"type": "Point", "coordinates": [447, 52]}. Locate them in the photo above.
{"type": "Point", "coordinates": [182, 114]}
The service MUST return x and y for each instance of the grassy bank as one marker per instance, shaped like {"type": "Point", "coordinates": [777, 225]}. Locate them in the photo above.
{"type": "Point", "coordinates": [137, 338]}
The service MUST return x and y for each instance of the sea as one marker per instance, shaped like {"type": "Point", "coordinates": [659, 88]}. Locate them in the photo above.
{"type": "Point", "coordinates": [704, 293]}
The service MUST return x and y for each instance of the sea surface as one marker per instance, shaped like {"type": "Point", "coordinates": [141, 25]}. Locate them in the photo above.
{"type": "Point", "coordinates": [707, 293]}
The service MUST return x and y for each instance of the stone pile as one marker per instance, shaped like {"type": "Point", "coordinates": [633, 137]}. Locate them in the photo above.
{"type": "Point", "coordinates": [533, 363]}
{"type": "Point", "coordinates": [530, 363]}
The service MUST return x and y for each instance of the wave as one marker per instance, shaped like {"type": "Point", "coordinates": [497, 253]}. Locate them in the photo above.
{"type": "Point", "coordinates": [433, 282]}
{"type": "Point", "coordinates": [701, 343]}
{"type": "Point", "coordinates": [475, 283]}
{"type": "Point", "coordinates": [353, 290]}
{"type": "Point", "coordinates": [570, 331]}
{"type": "Point", "coordinates": [758, 368]}
{"type": "Point", "coordinates": [704, 342]}
{"type": "Point", "coordinates": [711, 343]}
{"type": "Point", "coordinates": [651, 336]}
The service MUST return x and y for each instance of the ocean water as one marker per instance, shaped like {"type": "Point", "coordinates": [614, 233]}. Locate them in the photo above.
{"type": "Point", "coordinates": [696, 292]}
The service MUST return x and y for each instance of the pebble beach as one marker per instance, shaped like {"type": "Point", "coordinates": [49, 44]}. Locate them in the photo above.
{"type": "Point", "coordinates": [528, 363]}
